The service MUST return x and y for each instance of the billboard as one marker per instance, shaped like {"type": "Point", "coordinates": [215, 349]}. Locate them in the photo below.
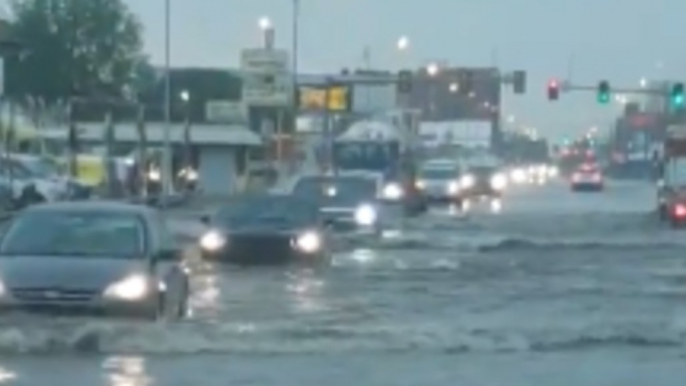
{"type": "Point", "coordinates": [314, 98]}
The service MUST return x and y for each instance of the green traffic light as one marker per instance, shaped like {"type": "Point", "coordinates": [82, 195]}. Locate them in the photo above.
{"type": "Point", "coordinates": [603, 98]}
{"type": "Point", "coordinates": [677, 97]}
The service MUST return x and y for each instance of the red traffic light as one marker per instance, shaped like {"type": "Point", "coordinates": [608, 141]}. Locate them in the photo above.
{"type": "Point", "coordinates": [553, 89]}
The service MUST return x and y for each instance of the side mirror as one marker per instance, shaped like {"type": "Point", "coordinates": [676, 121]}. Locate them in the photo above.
{"type": "Point", "coordinates": [205, 219]}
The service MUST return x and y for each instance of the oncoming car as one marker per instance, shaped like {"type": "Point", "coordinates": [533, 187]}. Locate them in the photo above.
{"type": "Point", "coordinates": [93, 258]}
{"type": "Point", "coordinates": [482, 183]}
{"type": "Point", "coordinates": [440, 181]}
{"type": "Point", "coordinates": [347, 203]}
{"type": "Point", "coordinates": [261, 230]}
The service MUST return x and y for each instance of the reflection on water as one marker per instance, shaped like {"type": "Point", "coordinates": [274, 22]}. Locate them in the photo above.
{"type": "Point", "coordinates": [126, 371]}
{"type": "Point", "coordinates": [7, 376]}
{"type": "Point", "coordinates": [206, 295]}
{"type": "Point", "coordinates": [306, 291]}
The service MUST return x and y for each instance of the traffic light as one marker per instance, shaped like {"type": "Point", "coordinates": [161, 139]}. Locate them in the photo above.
{"type": "Point", "coordinates": [603, 92]}
{"type": "Point", "coordinates": [553, 90]}
{"type": "Point", "coordinates": [519, 82]}
{"type": "Point", "coordinates": [405, 82]}
{"type": "Point", "coordinates": [677, 96]}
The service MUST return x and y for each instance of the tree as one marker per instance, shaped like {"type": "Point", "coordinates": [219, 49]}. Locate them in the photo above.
{"type": "Point", "coordinates": [88, 48]}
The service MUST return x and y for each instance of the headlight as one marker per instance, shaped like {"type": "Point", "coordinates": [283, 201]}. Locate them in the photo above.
{"type": "Point", "coordinates": [393, 191]}
{"type": "Point", "coordinates": [519, 175]}
{"type": "Point", "coordinates": [467, 181]}
{"type": "Point", "coordinates": [154, 175]}
{"type": "Point", "coordinates": [365, 215]}
{"type": "Point", "coordinates": [553, 171]}
{"type": "Point", "coordinates": [134, 287]}
{"type": "Point", "coordinates": [309, 242]}
{"type": "Point", "coordinates": [192, 175]}
{"type": "Point", "coordinates": [498, 182]}
{"type": "Point", "coordinates": [453, 187]}
{"type": "Point", "coordinates": [3, 290]}
{"type": "Point", "coordinates": [212, 241]}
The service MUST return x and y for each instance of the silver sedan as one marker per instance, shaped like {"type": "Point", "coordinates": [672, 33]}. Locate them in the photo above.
{"type": "Point", "coordinates": [92, 258]}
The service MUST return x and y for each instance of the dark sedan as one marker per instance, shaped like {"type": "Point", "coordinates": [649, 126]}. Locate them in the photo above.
{"type": "Point", "coordinates": [92, 258]}
{"type": "Point", "coordinates": [347, 203]}
{"type": "Point", "coordinates": [266, 230]}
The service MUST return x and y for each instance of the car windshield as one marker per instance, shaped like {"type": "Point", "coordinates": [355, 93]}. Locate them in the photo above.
{"type": "Point", "coordinates": [675, 172]}
{"type": "Point", "coordinates": [65, 233]}
{"type": "Point", "coordinates": [267, 210]}
{"type": "Point", "coordinates": [365, 155]}
{"type": "Point", "coordinates": [339, 190]}
{"type": "Point", "coordinates": [439, 173]}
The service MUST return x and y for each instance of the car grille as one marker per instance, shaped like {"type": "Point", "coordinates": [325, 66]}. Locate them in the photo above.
{"type": "Point", "coordinates": [257, 248]}
{"type": "Point", "coordinates": [53, 295]}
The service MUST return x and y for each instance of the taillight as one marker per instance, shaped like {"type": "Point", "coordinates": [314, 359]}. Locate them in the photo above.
{"type": "Point", "coordinates": [597, 177]}
{"type": "Point", "coordinates": [680, 210]}
{"type": "Point", "coordinates": [576, 177]}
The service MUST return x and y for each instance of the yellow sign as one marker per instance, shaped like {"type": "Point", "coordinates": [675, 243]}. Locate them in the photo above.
{"type": "Point", "coordinates": [313, 98]}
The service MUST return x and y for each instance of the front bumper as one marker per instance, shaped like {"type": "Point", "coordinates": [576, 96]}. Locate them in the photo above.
{"type": "Point", "coordinates": [587, 186]}
{"type": "Point", "coordinates": [263, 250]}
{"type": "Point", "coordinates": [77, 306]}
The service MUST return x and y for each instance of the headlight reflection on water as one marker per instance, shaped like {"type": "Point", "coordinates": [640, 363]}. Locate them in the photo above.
{"type": "Point", "coordinates": [305, 291]}
{"type": "Point", "coordinates": [126, 371]}
{"type": "Point", "coordinates": [7, 376]}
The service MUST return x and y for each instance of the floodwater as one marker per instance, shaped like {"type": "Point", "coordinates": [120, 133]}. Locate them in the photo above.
{"type": "Point", "coordinates": [560, 289]}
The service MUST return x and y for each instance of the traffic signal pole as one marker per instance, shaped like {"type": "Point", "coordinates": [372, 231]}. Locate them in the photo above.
{"type": "Point", "coordinates": [664, 92]}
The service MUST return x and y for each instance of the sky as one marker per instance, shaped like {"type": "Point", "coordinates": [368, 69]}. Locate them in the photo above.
{"type": "Point", "coordinates": [579, 40]}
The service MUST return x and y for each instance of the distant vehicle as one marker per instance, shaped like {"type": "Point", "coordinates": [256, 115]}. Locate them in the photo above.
{"type": "Point", "coordinates": [671, 186]}
{"type": "Point", "coordinates": [440, 181]}
{"type": "Point", "coordinates": [348, 202]}
{"type": "Point", "coordinates": [20, 176]}
{"type": "Point", "coordinates": [47, 169]}
{"type": "Point", "coordinates": [387, 149]}
{"type": "Point", "coordinates": [94, 258]}
{"type": "Point", "coordinates": [264, 230]}
{"type": "Point", "coordinates": [482, 183]}
{"type": "Point", "coordinates": [587, 178]}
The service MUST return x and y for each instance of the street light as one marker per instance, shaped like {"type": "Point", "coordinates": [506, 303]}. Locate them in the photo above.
{"type": "Point", "coordinates": [432, 69]}
{"type": "Point", "coordinates": [644, 82]}
{"type": "Point", "coordinates": [185, 95]}
{"type": "Point", "coordinates": [403, 43]}
{"type": "Point", "coordinates": [454, 87]}
{"type": "Point", "coordinates": [265, 23]}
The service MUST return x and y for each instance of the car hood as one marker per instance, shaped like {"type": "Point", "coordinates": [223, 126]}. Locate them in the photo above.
{"type": "Point", "coordinates": [65, 272]}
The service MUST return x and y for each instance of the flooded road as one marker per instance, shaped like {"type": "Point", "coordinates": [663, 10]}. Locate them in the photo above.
{"type": "Point", "coordinates": [559, 289]}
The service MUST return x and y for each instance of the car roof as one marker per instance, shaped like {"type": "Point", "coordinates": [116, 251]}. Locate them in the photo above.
{"type": "Point", "coordinates": [92, 206]}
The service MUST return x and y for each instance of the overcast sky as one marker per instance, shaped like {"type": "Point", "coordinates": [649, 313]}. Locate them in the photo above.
{"type": "Point", "coordinates": [620, 40]}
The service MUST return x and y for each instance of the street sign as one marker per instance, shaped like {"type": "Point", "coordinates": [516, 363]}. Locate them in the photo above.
{"type": "Point", "coordinates": [264, 60]}
{"type": "Point", "coordinates": [266, 89]}
{"type": "Point", "coordinates": [314, 98]}
{"type": "Point", "coordinates": [266, 77]}
{"type": "Point", "coordinates": [221, 111]}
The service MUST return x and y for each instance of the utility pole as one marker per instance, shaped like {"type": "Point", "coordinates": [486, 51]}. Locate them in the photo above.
{"type": "Point", "coordinates": [167, 158]}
